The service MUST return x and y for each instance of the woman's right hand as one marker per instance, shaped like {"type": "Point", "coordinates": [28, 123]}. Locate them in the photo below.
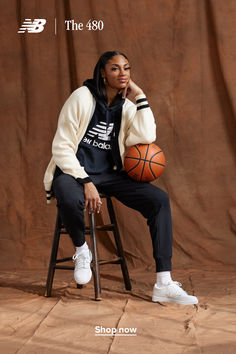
{"type": "Point", "coordinates": [92, 198]}
{"type": "Point", "coordinates": [131, 89]}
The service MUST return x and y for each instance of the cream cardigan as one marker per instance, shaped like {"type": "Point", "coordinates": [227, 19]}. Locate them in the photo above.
{"type": "Point", "coordinates": [137, 127]}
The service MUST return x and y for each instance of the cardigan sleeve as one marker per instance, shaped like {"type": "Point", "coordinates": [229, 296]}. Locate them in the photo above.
{"type": "Point", "coordinates": [65, 142]}
{"type": "Point", "coordinates": [142, 128]}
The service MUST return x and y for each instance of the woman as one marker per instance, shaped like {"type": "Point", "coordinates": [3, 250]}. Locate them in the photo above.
{"type": "Point", "coordinates": [96, 125]}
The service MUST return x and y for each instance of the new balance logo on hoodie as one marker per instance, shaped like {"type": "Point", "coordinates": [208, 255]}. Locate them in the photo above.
{"type": "Point", "coordinates": [101, 131]}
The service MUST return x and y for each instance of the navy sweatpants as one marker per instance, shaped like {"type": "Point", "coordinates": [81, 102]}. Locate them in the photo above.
{"type": "Point", "coordinates": [149, 200]}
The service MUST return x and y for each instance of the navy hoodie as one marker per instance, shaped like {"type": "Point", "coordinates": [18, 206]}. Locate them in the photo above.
{"type": "Point", "coordinates": [98, 152]}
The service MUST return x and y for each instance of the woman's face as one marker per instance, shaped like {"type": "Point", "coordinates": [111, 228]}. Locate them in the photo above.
{"type": "Point", "coordinates": [116, 72]}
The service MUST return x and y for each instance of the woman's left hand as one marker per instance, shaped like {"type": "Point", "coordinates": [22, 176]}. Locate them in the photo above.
{"type": "Point", "coordinates": [131, 89]}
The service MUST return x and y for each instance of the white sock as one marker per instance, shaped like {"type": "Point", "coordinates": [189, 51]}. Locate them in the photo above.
{"type": "Point", "coordinates": [81, 248]}
{"type": "Point", "coordinates": [163, 278]}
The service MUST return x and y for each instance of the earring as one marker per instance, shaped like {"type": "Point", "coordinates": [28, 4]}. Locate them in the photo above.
{"type": "Point", "coordinates": [104, 80]}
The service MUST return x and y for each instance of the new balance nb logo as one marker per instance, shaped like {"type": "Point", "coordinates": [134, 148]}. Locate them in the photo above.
{"type": "Point", "coordinates": [35, 26]}
{"type": "Point", "coordinates": [101, 131]}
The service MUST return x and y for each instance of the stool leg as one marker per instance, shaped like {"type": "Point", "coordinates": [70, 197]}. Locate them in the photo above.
{"type": "Point", "coordinates": [96, 275]}
{"type": "Point", "coordinates": [51, 268]}
{"type": "Point", "coordinates": [119, 245]}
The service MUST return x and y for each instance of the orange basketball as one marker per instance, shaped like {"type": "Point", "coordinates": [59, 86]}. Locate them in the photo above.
{"type": "Point", "coordinates": [144, 162]}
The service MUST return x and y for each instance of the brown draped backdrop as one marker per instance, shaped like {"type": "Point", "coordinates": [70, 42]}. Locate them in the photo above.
{"type": "Point", "coordinates": [182, 55]}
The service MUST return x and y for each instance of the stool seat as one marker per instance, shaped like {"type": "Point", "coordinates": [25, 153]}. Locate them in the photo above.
{"type": "Point", "coordinates": [91, 230]}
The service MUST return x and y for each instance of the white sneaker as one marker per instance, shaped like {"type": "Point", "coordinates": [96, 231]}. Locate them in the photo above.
{"type": "Point", "coordinates": [172, 292]}
{"type": "Point", "coordinates": [82, 271]}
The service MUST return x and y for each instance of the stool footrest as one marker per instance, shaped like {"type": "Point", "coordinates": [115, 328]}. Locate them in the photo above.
{"type": "Point", "coordinates": [67, 259]}
{"type": "Point", "coordinates": [108, 227]}
{"type": "Point", "coordinates": [101, 262]}
{"type": "Point", "coordinates": [63, 267]}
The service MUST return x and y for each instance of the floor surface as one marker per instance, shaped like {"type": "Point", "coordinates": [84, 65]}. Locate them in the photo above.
{"type": "Point", "coordinates": [72, 322]}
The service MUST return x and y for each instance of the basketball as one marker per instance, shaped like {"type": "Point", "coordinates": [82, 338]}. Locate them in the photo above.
{"type": "Point", "coordinates": [144, 162]}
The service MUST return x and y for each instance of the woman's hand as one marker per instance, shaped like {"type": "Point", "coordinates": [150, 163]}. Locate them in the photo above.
{"type": "Point", "coordinates": [92, 198]}
{"type": "Point", "coordinates": [131, 89]}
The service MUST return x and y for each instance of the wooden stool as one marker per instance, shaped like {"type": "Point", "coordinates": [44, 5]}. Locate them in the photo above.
{"type": "Point", "coordinates": [90, 230]}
